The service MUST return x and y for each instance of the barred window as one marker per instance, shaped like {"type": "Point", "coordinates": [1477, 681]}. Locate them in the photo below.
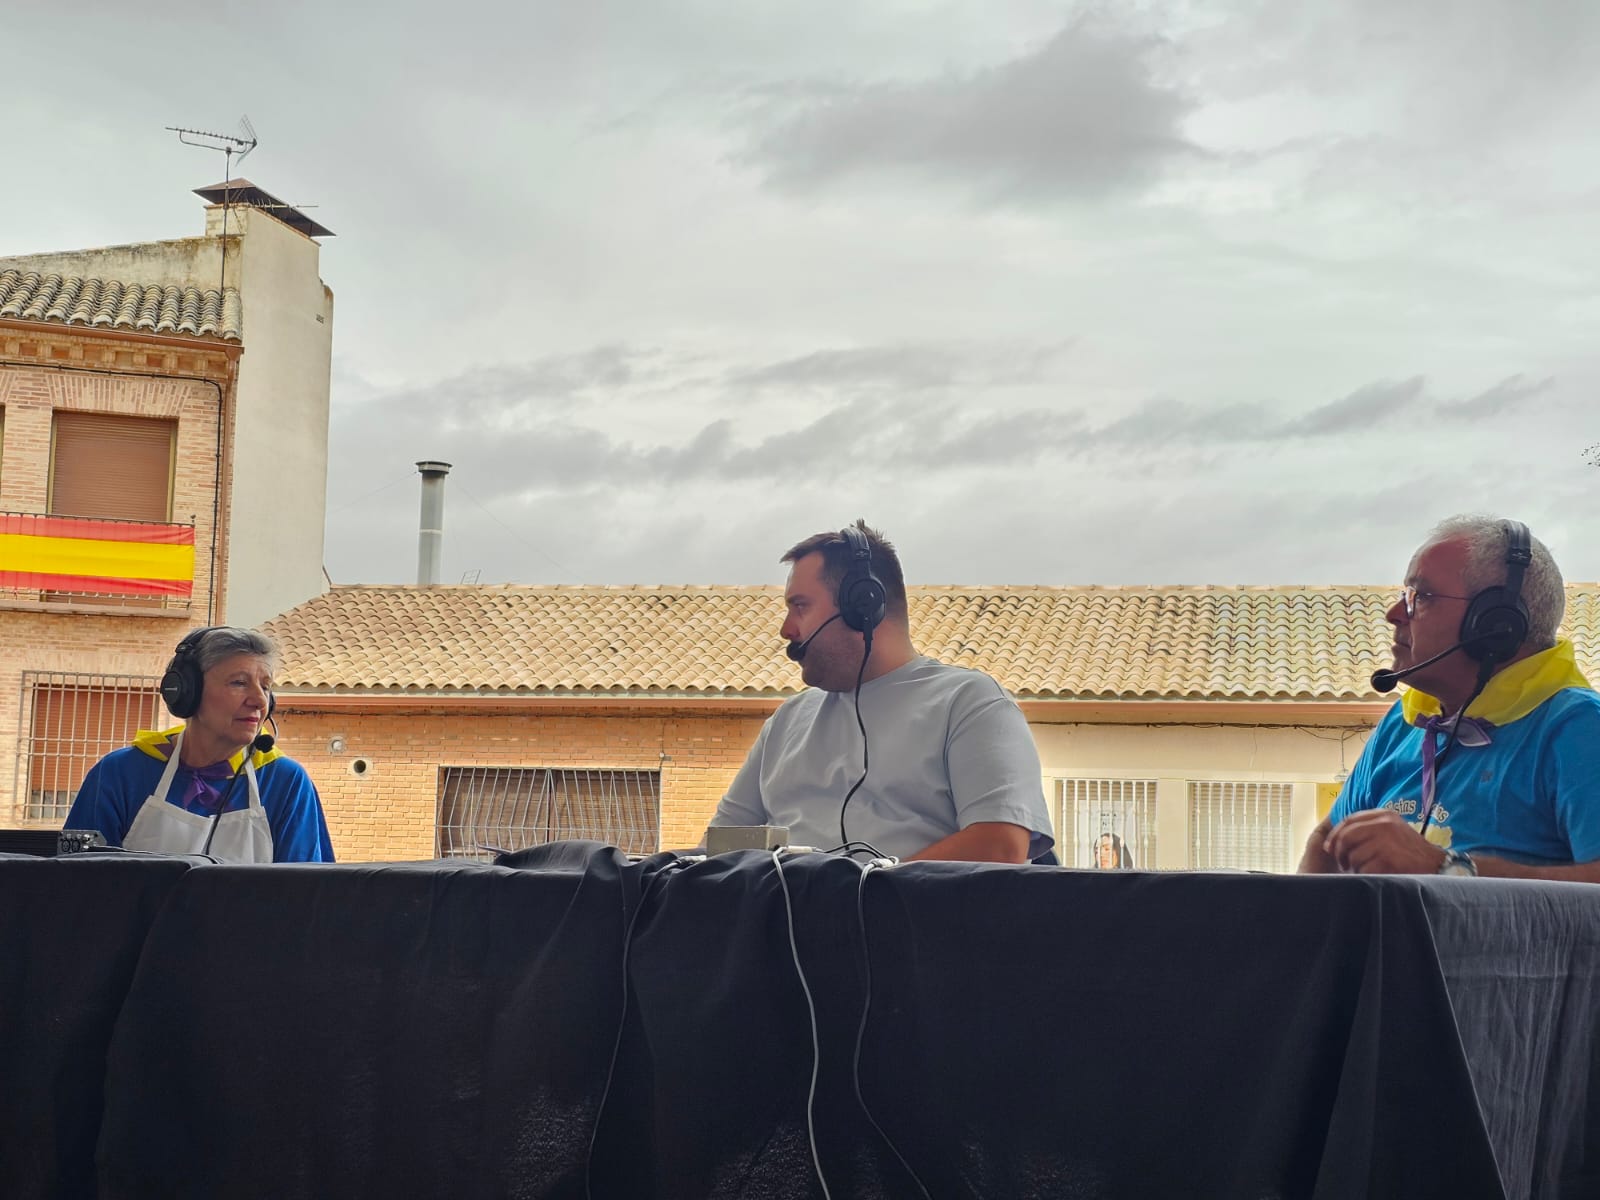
{"type": "Point", "coordinates": [1106, 820]}
{"type": "Point", "coordinates": [70, 722]}
{"type": "Point", "coordinates": [486, 809]}
{"type": "Point", "coordinates": [1240, 825]}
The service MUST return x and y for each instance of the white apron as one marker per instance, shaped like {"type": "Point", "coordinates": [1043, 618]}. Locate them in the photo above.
{"type": "Point", "coordinates": [161, 827]}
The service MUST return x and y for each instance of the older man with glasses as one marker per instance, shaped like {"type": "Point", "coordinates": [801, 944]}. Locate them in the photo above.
{"type": "Point", "coordinates": [1490, 763]}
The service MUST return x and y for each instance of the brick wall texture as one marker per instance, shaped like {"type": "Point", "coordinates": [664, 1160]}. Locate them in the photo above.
{"type": "Point", "coordinates": [77, 638]}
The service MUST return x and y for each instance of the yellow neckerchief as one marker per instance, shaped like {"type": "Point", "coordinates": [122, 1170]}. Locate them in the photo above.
{"type": "Point", "coordinates": [1512, 693]}
{"type": "Point", "coordinates": [157, 743]}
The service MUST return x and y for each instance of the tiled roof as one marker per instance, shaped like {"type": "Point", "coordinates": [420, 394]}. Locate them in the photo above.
{"type": "Point", "coordinates": [112, 303]}
{"type": "Point", "coordinates": [1085, 643]}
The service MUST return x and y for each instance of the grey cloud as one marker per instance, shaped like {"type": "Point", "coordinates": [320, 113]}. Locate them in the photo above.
{"type": "Point", "coordinates": [1503, 396]}
{"type": "Point", "coordinates": [896, 365]}
{"type": "Point", "coordinates": [1162, 421]}
{"type": "Point", "coordinates": [499, 392]}
{"type": "Point", "coordinates": [555, 424]}
{"type": "Point", "coordinates": [1361, 409]}
{"type": "Point", "coordinates": [556, 431]}
{"type": "Point", "coordinates": [905, 367]}
{"type": "Point", "coordinates": [1081, 116]}
{"type": "Point", "coordinates": [495, 399]}
{"type": "Point", "coordinates": [1017, 439]}
{"type": "Point", "coordinates": [541, 453]}
{"type": "Point", "coordinates": [834, 442]}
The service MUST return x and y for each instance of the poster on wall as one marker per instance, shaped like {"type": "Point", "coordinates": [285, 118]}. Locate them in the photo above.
{"type": "Point", "coordinates": [1111, 845]}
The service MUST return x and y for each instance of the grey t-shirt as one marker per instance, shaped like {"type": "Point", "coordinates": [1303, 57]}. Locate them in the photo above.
{"type": "Point", "coordinates": [948, 748]}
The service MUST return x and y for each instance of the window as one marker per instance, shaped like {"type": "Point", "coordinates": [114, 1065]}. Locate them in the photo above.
{"type": "Point", "coordinates": [1119, 813]}
{"type": "Point", "coordinates": [1240, 825]}
{"type": "Point", "coordinates": [69, 723]}
{"type": "Point", "coordinates": [120, 469]}
{"type": "Point", "coordinates": [104, 466]}
{"type": "Point", "coordinates": [485, 809]}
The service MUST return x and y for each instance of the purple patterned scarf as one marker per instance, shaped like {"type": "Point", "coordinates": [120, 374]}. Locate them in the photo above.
{"type": "Point", "coordinates": [1473, 731]}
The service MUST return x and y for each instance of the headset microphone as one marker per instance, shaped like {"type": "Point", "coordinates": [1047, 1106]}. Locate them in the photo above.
{"type": "Point", "coordinates": [1385, 681]}
{"type": "Point", "coordinates": [797, 650]}
{"type": "Point", "coordinates": [265, 741]}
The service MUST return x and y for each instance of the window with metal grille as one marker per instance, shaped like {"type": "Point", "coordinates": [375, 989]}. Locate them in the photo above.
{"type": "Point", "coordinates": [1240, 825]}
{"type": "Point", "coordinates": [1110, 820]}
{"type": "Point", "coordinates": [485, 809]}
{"type": "Point", "coordinates": [69, 723]}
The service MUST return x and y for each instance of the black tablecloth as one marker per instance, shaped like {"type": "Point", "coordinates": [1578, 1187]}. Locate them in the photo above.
{"type": "Point", "coordinates": [459, 1030]}
{"type": "Point", "coordinates": [73, 929]}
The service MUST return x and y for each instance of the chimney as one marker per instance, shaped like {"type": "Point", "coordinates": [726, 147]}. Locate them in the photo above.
{"type": "Point", "coordinates": [430, 541]}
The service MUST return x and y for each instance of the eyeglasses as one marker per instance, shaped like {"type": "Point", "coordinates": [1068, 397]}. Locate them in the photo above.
{"type": "Point", "coordinates": [1409, 596]}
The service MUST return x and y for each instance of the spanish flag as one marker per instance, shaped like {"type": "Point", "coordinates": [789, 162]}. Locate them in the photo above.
{"type": "Point", "coordinates": [108, 558]}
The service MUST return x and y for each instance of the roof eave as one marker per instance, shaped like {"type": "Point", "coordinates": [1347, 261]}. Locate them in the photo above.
{"type": "Point", "coordinates": [1356, 713]}
{"type": "Point", "coordinates": [367, 700]}
{"type": "Point", "coordinates": [1320, 711]}
{"type": "Point", "coordinates": [230, 344]}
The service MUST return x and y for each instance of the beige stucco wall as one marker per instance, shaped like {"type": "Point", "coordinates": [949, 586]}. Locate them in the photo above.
{"type": "Point", "coordinates": [177, 262]}
{"type": "Point", "coordinates": [1173, 755]}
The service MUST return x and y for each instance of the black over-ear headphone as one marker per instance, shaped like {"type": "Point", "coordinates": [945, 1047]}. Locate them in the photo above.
{"type": "Point", "coordinates": [184, 682]}
{"type": "Point", "coordinates": [862, 598]}
{"type": "Point", "coordinates": [1496, 621]}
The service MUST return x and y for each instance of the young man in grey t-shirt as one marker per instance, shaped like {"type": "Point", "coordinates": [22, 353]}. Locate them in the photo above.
{"type": "Point", "coordinates": [954, 773]}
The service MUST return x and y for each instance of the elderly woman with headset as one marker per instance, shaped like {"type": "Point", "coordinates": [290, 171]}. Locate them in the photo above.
{"type": "Point", "coordinates": [215, 784]}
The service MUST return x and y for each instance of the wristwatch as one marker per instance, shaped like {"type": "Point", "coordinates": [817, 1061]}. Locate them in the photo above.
{"type": "Point", "coordinates": [1457, 862]}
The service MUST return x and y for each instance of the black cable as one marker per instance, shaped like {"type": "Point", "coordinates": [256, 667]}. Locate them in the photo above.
{"type": "Point", "coordinates": [261, 743]}
{"type": "Point", "coordinates": [861, 1030]}
{"type": "Point", "coordinates": [866, 762]}
{"type": "Point", "coordinates": [223, 807]}
{"type": "Point", "coordinates": [1450, 740]}
{"type": "Point", "coordinates": [857, 846]}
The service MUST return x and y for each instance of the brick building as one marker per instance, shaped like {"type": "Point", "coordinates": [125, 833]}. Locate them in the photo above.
{"type": "Point", "coordinates": [148, 393]}
{"type": "Point", "coordinates": [1205, 726]}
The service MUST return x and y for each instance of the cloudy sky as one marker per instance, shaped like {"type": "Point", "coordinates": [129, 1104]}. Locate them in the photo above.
{"type": "Point", "coordinates": [1155, 292]}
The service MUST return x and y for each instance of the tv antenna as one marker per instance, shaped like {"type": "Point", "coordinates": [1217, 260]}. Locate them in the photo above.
{"type": "Point", "coordinates": [230, 144]}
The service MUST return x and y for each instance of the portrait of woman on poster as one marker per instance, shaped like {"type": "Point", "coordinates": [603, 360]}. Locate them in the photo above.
{"type": "Point", "coordinates": [1110, 854]}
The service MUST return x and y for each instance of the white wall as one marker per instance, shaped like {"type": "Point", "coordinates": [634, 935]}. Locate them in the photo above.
{"type": "Point", "coordinates": [281, 436]}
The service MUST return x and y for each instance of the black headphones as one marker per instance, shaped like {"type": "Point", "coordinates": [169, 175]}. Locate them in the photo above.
{"type": "Point", "coordinates": [862, 598]}
{"type": "Point", "coordinates": [183, 683]}
{"type": "Point", "coordinates": [1496, 621]}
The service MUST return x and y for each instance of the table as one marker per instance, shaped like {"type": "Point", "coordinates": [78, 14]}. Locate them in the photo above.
{"type": "Point", "coordinates": [453, 1029]}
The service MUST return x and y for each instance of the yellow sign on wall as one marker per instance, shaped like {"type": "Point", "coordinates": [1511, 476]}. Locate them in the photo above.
{"type": "Point", "coordinates": [1327, 793]}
